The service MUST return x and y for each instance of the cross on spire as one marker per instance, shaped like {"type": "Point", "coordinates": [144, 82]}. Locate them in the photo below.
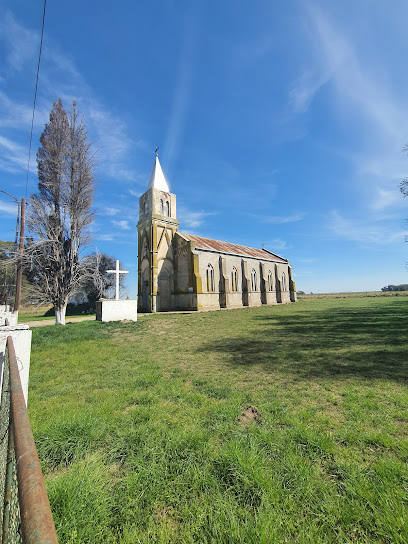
{"type": "Point", "coordinates": [117, 272]}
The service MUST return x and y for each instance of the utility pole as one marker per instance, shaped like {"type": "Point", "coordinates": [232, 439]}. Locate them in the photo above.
{"type": "Point", "coordinates": [18, 220]}
{"type": "Point", "coordinates": [20, 257]}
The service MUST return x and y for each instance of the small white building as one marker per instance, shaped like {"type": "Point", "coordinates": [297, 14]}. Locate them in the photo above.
{"type": "Point", "coordinates": [178, 271]}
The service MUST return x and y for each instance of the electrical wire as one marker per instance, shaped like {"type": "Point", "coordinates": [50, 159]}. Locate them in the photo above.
{"type": "Point", "coordinates": [35, 95]}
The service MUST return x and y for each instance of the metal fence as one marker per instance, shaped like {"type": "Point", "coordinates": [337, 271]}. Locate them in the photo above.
{"type": "Point", "coordinates": [25, 514]}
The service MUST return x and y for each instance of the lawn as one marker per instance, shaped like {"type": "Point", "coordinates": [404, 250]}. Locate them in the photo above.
{"type": "Point", "coordinates": [258, 425]}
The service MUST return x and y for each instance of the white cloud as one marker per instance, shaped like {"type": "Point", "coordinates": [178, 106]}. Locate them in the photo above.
{"type": "Point", "coordinates": [363, 231]}
{"type": "Point", "coordinates": [124, 225]}
{"type": "Point", "coordinates": [284, 219]}
{"type": "Point", "coordinates": [21, 43]}
{"type": "Point", "coordinates": [111, 211]}
{"type": "Point", "coordinates": [385, 198]}
{"type": "Point", "coordinates": [18, 115]}
{"type": "Point", "coordinates": [365, 94]}
{"type": "Point", "coordinates": [15, 156]}
{"type": "Point", "coordinates": [8, 208]}
{"type": "Point", "coordinates": [306, 261]}
{"type": "Point", "coordinates": [112, 142]}
{"type": "Point", "coordinates": [61, 78]}
{"type": "Point", "coordinates": [192, 220]}
{"type": "Point", "coordinates": [182, 91]}
{"type": "Point", "coordinates": [277, 244]}
{"type": "Point", "coordinates": [104, 237]}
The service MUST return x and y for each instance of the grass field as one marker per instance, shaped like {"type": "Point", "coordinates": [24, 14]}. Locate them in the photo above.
{"type": "Point", "coordinates": [274, 424]}
{"type": "Point", "coordinates": [358, 294]}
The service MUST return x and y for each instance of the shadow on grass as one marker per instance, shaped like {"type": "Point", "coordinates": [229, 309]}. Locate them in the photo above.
{"type": "Point", "coordinates": [74, 309]}
{"type": "Point", "coordinates": [361, 342]}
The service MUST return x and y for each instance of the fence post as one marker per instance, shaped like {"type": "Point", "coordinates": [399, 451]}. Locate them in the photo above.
{"type": "Point", "coordinates": [37, 524]}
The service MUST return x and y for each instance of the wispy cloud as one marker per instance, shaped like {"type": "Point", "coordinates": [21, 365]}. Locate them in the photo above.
{"type": "Point", "coordinates": [124, 225]}
{"type": "Point", "coordinates": [182, 92]}
{"type": "Point", "coordinates": [277, 244]}
{"type": "Point", "coordinates": [135, 193]}
{"type": "Point", "coordinates": [385, 198]}
{"type": "Point", "coordinates": [60, 78]}
{"type": "Point", "coordinates": [104, 237]}
{"type": "Point", "coordinates": [111, 140]}
{"type": "Point", "coordinates": [21, 43]}
{"type": "Point", "coordinates": [366, 232]}
{"type": "Point", "coordinates": [13, 156]}
{"type": "Point", "coordinates": [18, 115]}
{"type": "Point", "coordinates": [111, 211]}
{"type": "Point", "coordinates": [192, 219]}
{"type": "Point", "coordinates": [8, 208]}
{"type": "Point", "coordinates": [284, 219]}
{"type": "Point", "coordinates": [306, 261]}
{"type": "Point", "coordinates": [376, 108]}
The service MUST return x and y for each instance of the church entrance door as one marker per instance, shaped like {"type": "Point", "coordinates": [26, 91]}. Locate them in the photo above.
{"type": "Point", "coordinates": [164, 290]}
{"type": "Point", "coordinates": [145, 296]}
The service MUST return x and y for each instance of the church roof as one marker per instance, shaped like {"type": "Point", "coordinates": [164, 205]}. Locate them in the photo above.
{"type": "Point", "coordinates": [233, 249]}
{"type": "Point", "coordinates": [157, 179]}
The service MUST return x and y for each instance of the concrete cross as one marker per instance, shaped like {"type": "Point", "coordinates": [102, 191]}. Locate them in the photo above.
{"type": "Point", "coordinates": [117, 272]}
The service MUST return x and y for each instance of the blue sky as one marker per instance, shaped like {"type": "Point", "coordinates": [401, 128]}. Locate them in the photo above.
{"type": "Point", "coordinates": [279, 123]}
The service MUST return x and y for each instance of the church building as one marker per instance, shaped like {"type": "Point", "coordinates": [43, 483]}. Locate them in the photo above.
{"type": "Point", "coordinates": [178, 271]}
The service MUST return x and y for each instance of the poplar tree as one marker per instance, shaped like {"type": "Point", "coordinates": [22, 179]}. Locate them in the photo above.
{"type": "Point", "coordinates": [60, 214]}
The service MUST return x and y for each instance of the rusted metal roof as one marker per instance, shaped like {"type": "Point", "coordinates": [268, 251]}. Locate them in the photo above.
{"type": "Point", "coordinates": [234, 249]}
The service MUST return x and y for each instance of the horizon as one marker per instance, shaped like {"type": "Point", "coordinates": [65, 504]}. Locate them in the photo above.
{"type": "Point", "coordinates": [282, 126]}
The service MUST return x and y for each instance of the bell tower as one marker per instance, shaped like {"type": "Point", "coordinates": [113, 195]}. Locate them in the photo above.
{"type": "Point", "coordinates": [156, 227]}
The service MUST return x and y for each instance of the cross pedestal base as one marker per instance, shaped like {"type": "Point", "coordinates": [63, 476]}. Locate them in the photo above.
{"type": "Point", "coordinates": [116, 310]}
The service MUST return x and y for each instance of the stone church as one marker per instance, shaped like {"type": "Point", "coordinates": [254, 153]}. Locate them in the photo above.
{"type": "Point", "coordinates": [178, 271]}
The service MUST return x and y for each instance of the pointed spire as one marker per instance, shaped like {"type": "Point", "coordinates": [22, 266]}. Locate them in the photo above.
{"type": "Point", "coordinates": [157, 179]}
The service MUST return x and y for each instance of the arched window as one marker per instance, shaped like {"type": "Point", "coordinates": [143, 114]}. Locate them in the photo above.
{"type": "Point", "coordinates": [210, 279]}
{"type": "Point", "coordinates": [168, 209]}
{"type": "Point", "coordinates": [270, 281]}
{"type": "Point", "coordinates": [234, 279]}
{"type": "Point", "coordinates": [161, 207]}
{"type": "Point", "coordinates": [284, 284]}
{"type": "Point", "coordinates": [145, 206]}
{"type": "Point", "coordinates": [253, 280]}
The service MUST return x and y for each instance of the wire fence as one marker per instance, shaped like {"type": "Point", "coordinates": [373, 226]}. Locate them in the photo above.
{"type": "Point", "coordinates": [25, 515]}
{"type": "Point", "coordinates": [10, 509]}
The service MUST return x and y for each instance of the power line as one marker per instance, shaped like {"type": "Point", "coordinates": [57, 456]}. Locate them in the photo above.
{"type": "Point", "coordinates": [35, 95]}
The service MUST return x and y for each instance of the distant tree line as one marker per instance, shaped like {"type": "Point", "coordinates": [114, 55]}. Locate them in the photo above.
{"type": "Point", "coordinates": [401, 287]}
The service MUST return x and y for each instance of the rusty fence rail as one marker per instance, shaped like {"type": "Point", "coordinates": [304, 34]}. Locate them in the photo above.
{"type": "Point", "coordinates": [25, 515]}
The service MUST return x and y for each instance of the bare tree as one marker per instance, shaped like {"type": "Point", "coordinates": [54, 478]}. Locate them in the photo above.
{"type": "Point", "coordinates": [105, 284]}
{"type": "Point", "coordinates": [60, 213]}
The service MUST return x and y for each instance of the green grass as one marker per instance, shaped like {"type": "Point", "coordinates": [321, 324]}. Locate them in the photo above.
{"type": "Point", "coordinates": [139, 433]}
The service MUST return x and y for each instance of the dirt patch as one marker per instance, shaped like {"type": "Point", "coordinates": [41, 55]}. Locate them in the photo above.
{"type": "Point", "coordinates": [129, 408]}
{"type": "Point", "coordinates": [250, 414]}
{"type": "Point", "coordinates": [166, 517]}
{"type": "Point", "coordinates": [52, 321]}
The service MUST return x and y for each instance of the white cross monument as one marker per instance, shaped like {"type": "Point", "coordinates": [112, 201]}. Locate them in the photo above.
{"type": "Point", "coordinates": [116, 310]}
{"type": "Point", "coordinates": [117, 272]}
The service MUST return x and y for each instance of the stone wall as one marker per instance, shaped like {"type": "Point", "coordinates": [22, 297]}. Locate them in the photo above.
{"type": "Point", "coordinates": [272, 281]}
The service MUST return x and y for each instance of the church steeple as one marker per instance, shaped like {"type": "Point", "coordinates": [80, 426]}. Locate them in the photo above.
{"type": "Point", "coordinates": [156, 228]}
{"type": "Point", "coordinates": [157, 179]}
